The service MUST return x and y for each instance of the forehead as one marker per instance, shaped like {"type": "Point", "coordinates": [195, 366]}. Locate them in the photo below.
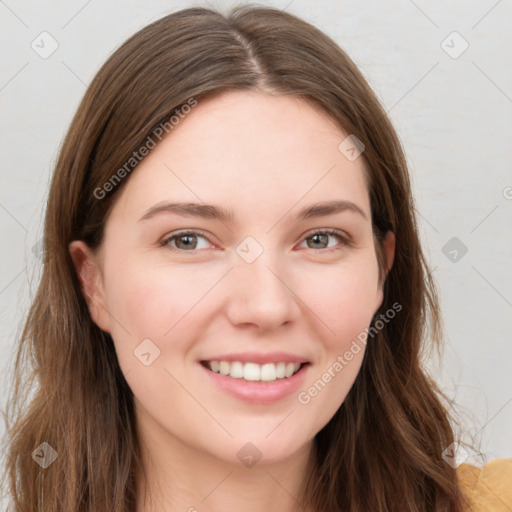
{"type": "Point", "coordinates": [249, 150]}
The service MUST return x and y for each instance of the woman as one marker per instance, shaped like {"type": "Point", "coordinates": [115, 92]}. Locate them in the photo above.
{"type": "Point", "coordinates": [234, 295]}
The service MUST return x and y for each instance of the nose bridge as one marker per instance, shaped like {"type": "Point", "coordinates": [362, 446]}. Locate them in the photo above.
{"type": "Point", "coordinates": [261, 292]}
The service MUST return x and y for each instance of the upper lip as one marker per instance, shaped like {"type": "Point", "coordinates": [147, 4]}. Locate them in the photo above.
{"type": "Point", "coordinates": [259, 358]}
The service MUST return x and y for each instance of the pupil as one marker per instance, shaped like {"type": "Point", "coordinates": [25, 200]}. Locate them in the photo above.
{"type": "Point", "coordinates": [316, 239]}
{"type": "Point", "coordinates": [188, 242]}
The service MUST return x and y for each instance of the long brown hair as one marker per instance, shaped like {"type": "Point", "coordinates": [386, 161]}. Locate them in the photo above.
{"type": "Point", "coordinates": [382, 450]}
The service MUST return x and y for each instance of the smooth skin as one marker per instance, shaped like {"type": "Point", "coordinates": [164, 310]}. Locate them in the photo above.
{"type": "Point", "coordinates": [264, 157]}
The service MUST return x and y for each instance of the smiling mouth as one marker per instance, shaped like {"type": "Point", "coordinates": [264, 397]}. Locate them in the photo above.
{"type": "Point", "coordinates": [254, 372]}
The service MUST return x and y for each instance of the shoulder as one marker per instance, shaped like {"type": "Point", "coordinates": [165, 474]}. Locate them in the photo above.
{"type": "Point", "coordinates": [489, 488]}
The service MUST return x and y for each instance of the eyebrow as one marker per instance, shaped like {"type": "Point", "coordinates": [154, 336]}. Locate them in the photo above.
{"type": "Point", "coordinates": [208, 211]}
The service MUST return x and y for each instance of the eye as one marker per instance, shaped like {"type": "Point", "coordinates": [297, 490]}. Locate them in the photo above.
{"type": "Point", "coordinates": [320, 239]}
{"type": "Point", "coordinates": [186, 241]}
{"type": "Point", "coordinates": [190, 241]}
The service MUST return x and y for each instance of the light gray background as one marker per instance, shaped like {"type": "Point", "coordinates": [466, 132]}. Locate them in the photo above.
{"type": "Point", "coordinates": [453, 115]}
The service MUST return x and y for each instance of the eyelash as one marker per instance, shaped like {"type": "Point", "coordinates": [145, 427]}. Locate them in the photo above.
{"type": "Point", "coordinates": [332, 232]}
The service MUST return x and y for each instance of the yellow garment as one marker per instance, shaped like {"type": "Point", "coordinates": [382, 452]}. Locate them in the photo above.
{"type": "Point", "coordinates": [489, 488]}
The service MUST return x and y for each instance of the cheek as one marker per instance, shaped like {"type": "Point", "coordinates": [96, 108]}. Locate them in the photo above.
{"type": "Point", "coordinates": [159, 303]}
{"type": "Point", "coordinates": [149, 300]}
{"type": "Point", "coordinates": [344, 297]}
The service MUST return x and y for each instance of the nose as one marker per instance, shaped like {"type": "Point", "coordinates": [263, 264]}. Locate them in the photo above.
{"type": "Point", "coordinates": [262, 294]}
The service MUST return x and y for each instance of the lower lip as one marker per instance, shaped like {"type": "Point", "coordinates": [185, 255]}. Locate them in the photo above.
{"type": "Point", "coordinates": [258, 392]}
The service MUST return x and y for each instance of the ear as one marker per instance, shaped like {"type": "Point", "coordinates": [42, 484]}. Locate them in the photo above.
{"type": "Point", "coordinates": [388, 254]}
{"type": "Point", "coordinates": [388, 247]}
{"type": "Point", "coordinates": [89, 274]}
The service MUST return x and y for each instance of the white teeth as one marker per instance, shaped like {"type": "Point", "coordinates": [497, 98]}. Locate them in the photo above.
{"type": "Point", "coordinates": [224, 367]}
{"type": "Point", "coordinates": [290, 368]}
{"type": "Point", "coordinates": [268, 372]}
{"type": "Point", "coordinates": [252, 371]}
{"type": "Point", "coordinates": [237, 370]}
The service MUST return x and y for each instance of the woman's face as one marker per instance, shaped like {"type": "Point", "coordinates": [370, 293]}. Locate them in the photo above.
{"type": "Point", "coordinates": [266, 280]}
